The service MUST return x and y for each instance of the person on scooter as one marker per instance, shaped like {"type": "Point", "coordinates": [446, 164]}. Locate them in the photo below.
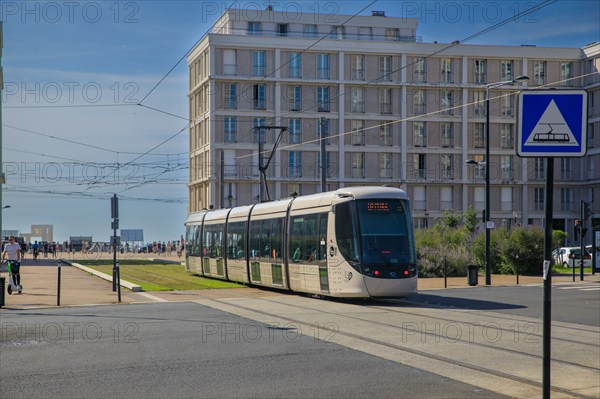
{"type": "Point", "coordinates": [12, 251]}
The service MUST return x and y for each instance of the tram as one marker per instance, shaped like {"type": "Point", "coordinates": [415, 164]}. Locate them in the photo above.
{"type": "Point", "coordinates": [353, 242]}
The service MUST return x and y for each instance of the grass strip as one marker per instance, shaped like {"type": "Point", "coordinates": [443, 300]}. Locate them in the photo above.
{"type": "Point", "coordinates": [162, 277]}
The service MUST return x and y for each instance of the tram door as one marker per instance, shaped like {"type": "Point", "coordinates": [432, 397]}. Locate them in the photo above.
{"type": "Point", "coordinates": [323, 275]}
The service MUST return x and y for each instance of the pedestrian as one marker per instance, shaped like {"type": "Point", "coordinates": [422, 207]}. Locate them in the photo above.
{"type": "Point", "coordinates": [12, 251]}
{"type": "Point", "coordinates": [23, 250]}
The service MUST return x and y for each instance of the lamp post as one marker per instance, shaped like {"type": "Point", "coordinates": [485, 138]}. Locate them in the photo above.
{"type": "Point", "coordinates": [488, 266]}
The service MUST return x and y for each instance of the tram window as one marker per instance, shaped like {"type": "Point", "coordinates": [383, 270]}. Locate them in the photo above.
{"type": "Point", "coordinates": [345, 231]}
{"type": "Point", "coordinates": [196, 242]}
{"type": "Point", "coordinates": [265, 243]}
{"type": "Point", "coordinates": [235, 240]}
{"type": "Point", "coordinates": [305, 239]}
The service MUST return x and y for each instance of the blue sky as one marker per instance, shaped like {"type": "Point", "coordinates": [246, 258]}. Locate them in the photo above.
{"type": "Point", "coordinates": [110, 54]}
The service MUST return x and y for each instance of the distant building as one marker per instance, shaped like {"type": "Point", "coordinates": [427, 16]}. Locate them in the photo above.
{"type": "Point", "coordinates": [392, 110]}
{"type": "Point", "coordinates": [40, 232]}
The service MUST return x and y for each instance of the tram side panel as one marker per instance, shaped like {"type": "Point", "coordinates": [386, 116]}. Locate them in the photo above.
{"type": "Point", "coordinates": [344, 279]}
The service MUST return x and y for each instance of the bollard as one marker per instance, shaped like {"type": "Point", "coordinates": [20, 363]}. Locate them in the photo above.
{"type": "Point", "coordinates": [119, 281]}
{"type": "Point", "coordinates": [472, 276]}
{"type": "Point", "coordinates": [58, 288]}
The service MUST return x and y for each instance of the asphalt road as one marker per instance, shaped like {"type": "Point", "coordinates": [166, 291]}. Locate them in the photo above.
{"type": "Point", "coordinates": [185, 349]}
{"type": "Point", "coordinates": [571, 303]}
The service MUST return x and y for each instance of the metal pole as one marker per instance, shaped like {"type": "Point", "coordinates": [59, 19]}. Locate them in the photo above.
{"type": "Point", "coordinates": [445, 274]}
{"type": "Point", "coordinates": [323, 157]}
{"type": "Point", "coordinates": [261, 192]}
{"type": "Point", "coordinates": [58, 287]}
{"type": "Point", "coordinates": [581, 243]}
{"type": "Point", "coordinates": [1, 147]}
{"type": "Point", "coordinates": [488, 268]}
{"type": "Point", "coordinates": [547, 323]}
{"type": "Point", "coordinates": [119, 281]}
{"type": "Point", "coordinates": [222, 178]}
{"type": "Point", "coordinates": [115, 216]}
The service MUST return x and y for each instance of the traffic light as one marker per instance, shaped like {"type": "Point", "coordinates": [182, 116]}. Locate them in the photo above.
{"type": "Point", "coordinates": [586, 210]}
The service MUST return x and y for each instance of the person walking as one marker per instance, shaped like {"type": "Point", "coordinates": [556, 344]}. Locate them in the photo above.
{"type": "Point", "coordinates": [12, 253]}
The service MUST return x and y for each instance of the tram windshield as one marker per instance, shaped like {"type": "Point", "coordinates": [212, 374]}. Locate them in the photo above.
{"type": "Point", "coordinates": [385, 232]}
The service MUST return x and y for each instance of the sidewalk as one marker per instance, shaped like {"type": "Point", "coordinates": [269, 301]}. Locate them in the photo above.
{"type": "Point", "coordinates": [40, 282]}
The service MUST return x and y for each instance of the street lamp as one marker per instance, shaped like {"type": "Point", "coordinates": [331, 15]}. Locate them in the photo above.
{"type": "Point", "coordinates": [488, 266]}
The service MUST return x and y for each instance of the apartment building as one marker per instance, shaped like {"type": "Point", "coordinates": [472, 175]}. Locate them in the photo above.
{"type": "Point", "coordinates": [392, 109]}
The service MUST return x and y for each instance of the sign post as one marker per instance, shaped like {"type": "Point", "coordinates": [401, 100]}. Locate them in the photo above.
{"type": "Point", "coordinates": [550, 123]}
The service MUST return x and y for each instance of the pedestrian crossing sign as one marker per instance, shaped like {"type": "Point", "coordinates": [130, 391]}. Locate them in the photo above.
{"type": "Point", "coordinates": [552, 123]}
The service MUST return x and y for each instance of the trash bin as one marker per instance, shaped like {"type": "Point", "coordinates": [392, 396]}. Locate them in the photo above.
{"type": "Point", "coordinates": [472, 276]}
{"type": "Point", "coordinates": [2, 283]}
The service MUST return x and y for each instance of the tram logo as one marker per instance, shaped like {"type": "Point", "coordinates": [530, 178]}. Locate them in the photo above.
{"type": "Point", "coordinates": [349, 276]}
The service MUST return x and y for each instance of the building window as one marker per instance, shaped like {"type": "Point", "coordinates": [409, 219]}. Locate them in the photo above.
{"type": "Point", "coordinates": [385, 165]}
{"type": "Point", "coordinates": [506, 167]}
{"type": "Point", "coordinates": [420, 75]}
{"type": "Point", "coordinates": [539, 73]}
{"type": "Point", "coordinates": [506, 70]}
{"type": "Point", "coordinates": [327, 164]}
{"type": "Point", "coordinates": [230, 129]}
{"type": "Point", "coordinates": [479, 135]}
{"type": "Point", "coordinates": [420, 199]}
{"type": "Point", "coordinates": [566, 199]}
{"type": "Point", "coordinates": [447, 166]}
{"type": "Point", "coordinates": [446, 102]}
{"type": "Point", "coordinates": [566, 73]}
{"type": "Point", "coordinates": [480, 168]}
{"type": "Point", "coordinates": [538, 199]}
{"type": "Point", "coordinates": [447, 70]}
{"type": "Point", "coordinates": [419, 134]}
{"type": "Point", "coordinates": [295, 164]}
{"type": "Point", "coordinates": [230, 95]}
{"type": "Point", "coordinates": [322, 66]}
{"type": "Point", "coordinates": [258, 63]}
{"type": "Point", "coordinates": [419, 106]}
{"type": "Point", "coordinates": [323, 99]}
{"type": "Point", "coordinates": [310, 30]}
{"type": "Point", "coordinates": [446, 198]}
{"type": "Point", "coordinates": [358, 99]}
{"type": "Point", "coordinates": [385, 68]}
{"type": "Point", "coordinates": [506, 105]}
{"type": "Point", "coordinates": [364, 33]}
{"type": "Point", "coordinates": [282, 29]}
{"type": "Point", "coordinates": [295, 65]}
{"type": "Point", "coordinates": [358, 67]}
{"type": "Point", "coordinates": [229, 62]}
{"type": "Point", "coordinates": [480, 71]}
{"type": "Point", "coordinates": [259, 97]}
{"type": "Point", "coordinates": [392, 34]}
{"type": "Point", "coordinates": [385, 134]}
{"type": "Point", "coordinates": [337, 32]}
{"type": "Point", "coordinates": [385, 101]}
{"type": "Point", "coordinates": [256, 133]}
{"type": "Point", "coordinates": [419, 166]}
{"type": "Point", "coordinates": [358, 132]}
{"type": "Point", "coordinates": [479, 103]}
{"type": "Point", "coordinates": [566, 168]}
{"type": "Point", "coordinates": [447, 135]}
{"type": "Point", "coordinates": [323, 123]}
{"type": "Point", "coordinates": [295, 131]}
{"type": "Point", "coordinates": [254, 28]}
{"type": "Point", "coordinates": [540, 168]}
{"type": "Point", "coordinates": [296, 98]}
{"type": "Point", "coordinates": [506, 136]}
{"type": "Point", "coordinates": [358, 164]}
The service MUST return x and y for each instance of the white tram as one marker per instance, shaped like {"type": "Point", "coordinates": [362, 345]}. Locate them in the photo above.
{"type": "Point", "coordinates": [353, 242]}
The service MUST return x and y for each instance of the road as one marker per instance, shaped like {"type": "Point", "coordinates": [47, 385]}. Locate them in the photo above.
{"type": "Point", "coordinates": [467, 343]}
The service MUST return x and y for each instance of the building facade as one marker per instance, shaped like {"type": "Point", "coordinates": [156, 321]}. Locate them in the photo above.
{"type": "Point", "coordinates": [393, 111]}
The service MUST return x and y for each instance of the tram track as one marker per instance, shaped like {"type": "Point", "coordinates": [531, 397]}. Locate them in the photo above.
{"type": "Point", "coordinates": [516, 320]}
{"type": "Point", "coordinates": [435, 334]}
{"type": "Point", "coordinates": [405, 349]}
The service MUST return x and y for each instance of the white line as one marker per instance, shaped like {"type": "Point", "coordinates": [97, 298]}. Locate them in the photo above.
{"type": "Point", "coordinates": [591, 289]}
{"type": "Point", "coordinates": [154, 298]}
{"type": "Point", "coordinates": [575, 287]}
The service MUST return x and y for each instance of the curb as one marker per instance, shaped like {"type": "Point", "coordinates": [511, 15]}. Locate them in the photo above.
{"type": "Point", "coordinates": [124, 283]}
